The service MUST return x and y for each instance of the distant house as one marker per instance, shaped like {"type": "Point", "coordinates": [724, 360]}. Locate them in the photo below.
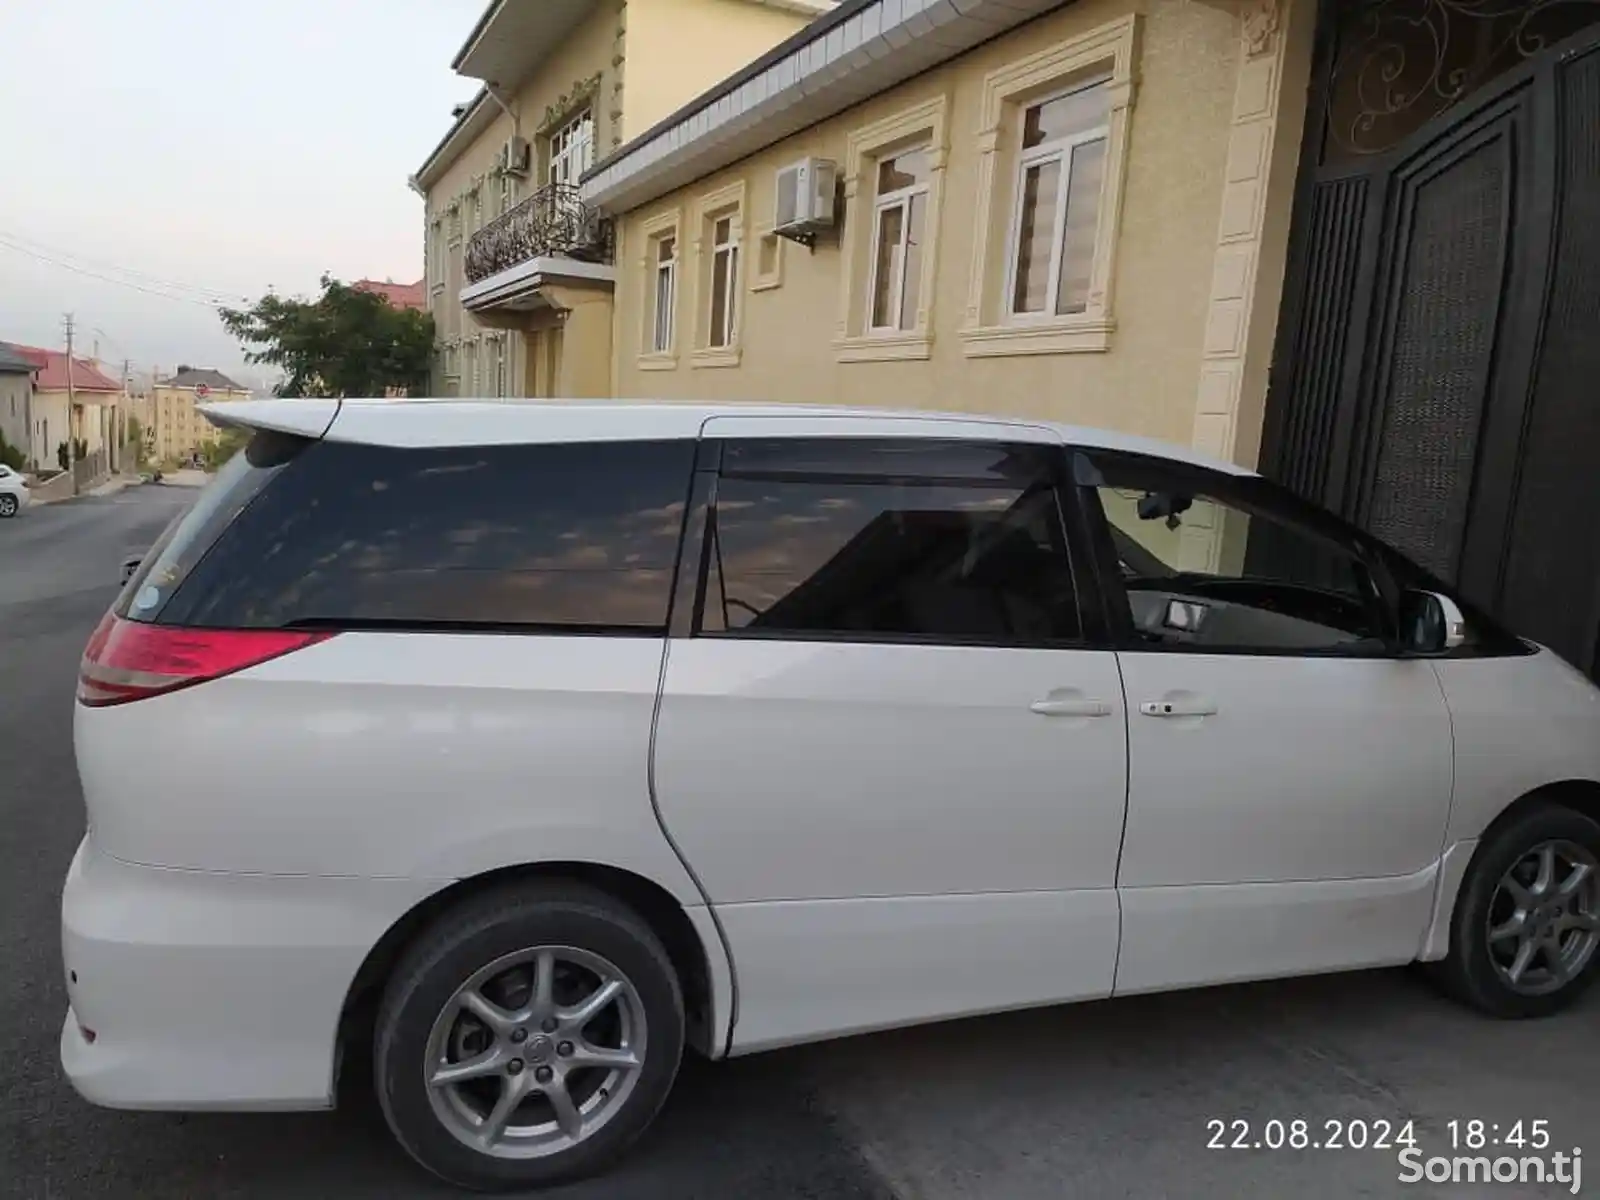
{"type": "Point", "coordinates": [95, 402]}
{"type": "Point", "coordinates": [16, 400]}
{"type": "Point", "coordinates": [174, 426]}
{"type": "Point", "coordinates": [401, 295]}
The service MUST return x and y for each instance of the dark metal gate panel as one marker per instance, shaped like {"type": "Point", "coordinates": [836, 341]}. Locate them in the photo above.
{"type": "Point", "coordinates": [1551, 586]}
{"type": "Point", "coordinates": [1337, 217]}
{"type": "Point", "coordinates": [1447, 243]}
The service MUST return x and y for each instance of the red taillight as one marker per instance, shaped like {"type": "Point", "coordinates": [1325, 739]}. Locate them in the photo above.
{"type": "Point", "coordinates": [129, 661]}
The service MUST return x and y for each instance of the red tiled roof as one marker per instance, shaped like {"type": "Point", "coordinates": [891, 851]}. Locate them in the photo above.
{"type": "Point", "coordinates": [401, 295]}
{"type": "Point", "coordinates": [52, 368]}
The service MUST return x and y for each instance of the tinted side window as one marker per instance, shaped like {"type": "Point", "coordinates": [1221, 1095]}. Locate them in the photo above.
{"type": "Point", "coordinates": [982, 561]}
{"type": "Point", "coordinates": [579, 537]}
{"type": "Point", "coordinates": [1208, 572]}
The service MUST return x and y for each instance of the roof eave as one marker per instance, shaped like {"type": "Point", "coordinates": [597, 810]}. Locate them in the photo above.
{"type": "Point", "coordinates": [792, 87]}
{"type": "Point", "coordinates": [453, 142]}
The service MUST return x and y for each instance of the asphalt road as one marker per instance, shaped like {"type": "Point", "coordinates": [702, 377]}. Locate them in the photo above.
{"type": "Point", "coordinates": [1097, 1101]}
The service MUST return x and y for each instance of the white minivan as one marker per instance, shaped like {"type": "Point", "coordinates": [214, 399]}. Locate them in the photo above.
{"type": "Point", "coordinates": [530, 744]}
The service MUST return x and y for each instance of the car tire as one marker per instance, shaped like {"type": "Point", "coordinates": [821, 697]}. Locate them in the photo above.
{"type": "Point", "coordinates": [1505, 904]}
{"type": "Point", "coordinates": [501, 946]}
{"type": "Point", "coordinates": [8, 506]}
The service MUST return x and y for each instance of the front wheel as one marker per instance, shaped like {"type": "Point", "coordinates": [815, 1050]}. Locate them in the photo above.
{"type": "Point", "coordinates": [528, 1038]}
{"type": "Point", "coordinates": [8, 505]}
{"type": "Point", "coordinates": [1525, 939]}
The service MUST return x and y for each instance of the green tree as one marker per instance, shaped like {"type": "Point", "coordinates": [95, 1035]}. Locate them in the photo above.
{"type": "Point", "coordinates": [344, 343]}
{"type": "Point", "coordinates": [227, 443]}
{"type": "Point", "coordinates": [10, 456]}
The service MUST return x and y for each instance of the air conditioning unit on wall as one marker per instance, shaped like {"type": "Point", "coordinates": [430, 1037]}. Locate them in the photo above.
{"type": "Point", "coordinates": [516, 156]}
{"type": "Point", "coordinates": [804, 203]}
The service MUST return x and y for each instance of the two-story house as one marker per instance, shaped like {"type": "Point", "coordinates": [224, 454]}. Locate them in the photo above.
{"type": "Point", "coordinates": [519, 271]}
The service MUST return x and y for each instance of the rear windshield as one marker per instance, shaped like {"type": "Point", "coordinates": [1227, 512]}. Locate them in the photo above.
{"type": "Point", "coordinates": [577, 537]}
{"type": "Point", "coordinates": [185, 541]}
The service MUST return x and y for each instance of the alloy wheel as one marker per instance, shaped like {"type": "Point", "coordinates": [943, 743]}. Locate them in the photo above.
{"type": "Point", "coordinates": [535, 1052]}
{"type": "Point", "coordinates": [8, 506]}
{"type": "Point", "coordinates": [1544, 918]}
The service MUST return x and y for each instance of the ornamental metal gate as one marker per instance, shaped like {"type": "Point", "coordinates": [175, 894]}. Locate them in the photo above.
{"type": "Point", "coordinates": [1437, 370]}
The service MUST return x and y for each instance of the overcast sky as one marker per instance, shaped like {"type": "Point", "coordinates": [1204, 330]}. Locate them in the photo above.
{"type": "Point", "coordinates": [212, 144]}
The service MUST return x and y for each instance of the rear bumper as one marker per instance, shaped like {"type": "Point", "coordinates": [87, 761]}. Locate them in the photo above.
{"type": "Point", "coordinates": [212, 991]}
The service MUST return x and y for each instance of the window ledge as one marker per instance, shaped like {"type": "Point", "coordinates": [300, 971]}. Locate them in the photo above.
{"type": "Point", "coordinates": [721, 356]}
{"type": "Point", "coordinates": [1091, 336]}
{"type": "Point", "coordinates": [658, 362]}
{"type": "Point", "coordinates": [884, 347]}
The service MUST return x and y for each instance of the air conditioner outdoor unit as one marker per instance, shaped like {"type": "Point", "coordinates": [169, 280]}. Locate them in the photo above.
{"type": "Point", "coordinates": [804, 202]}
{"type": "Point", "coordinates": [515, 156]}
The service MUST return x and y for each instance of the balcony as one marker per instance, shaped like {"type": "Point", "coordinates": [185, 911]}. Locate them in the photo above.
{"type": "Point", "coordinates": [551, 223]}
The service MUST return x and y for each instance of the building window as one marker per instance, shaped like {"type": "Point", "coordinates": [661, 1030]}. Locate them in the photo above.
{"type": "Point", "coordinates": [660, 261]}
{"type": "Point", "coordinates": [1053, 143]}
{"type": "Point", "coordinates": [723, 318]}
{"type": "Point", "coordinates": [665, 292]}
{"type": "Point", "coordinates": [507, 192]}
{"type": "Point", "coordinates": [718, 276]}
{"type": "Point", "coordinates": [893, 178]}
{"type": "Point", "coordinates": [572, 149]}
{"type": "Point", "coordinates": [899, 218]}
{"type": "Point", "coordinates": [1060, 175]}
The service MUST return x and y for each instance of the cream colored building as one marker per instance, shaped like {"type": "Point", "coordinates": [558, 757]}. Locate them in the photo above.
{"type": "Point", "coordinates": [518, 271]}
{"type": "Point", "coordinates": [1083, 217]}
{"type": "Point", "coordinates": [173, 426]}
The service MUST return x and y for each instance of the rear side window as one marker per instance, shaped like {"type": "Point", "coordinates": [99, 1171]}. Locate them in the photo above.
{"type": "Point", "coordinates": [191, 533]}
{"type": "Point", "coordinates": [572, 537]}
{"type": "Point", "coordinates": [797, 549]}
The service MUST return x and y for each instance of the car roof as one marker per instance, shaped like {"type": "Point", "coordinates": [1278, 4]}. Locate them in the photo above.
{"type": "Point", "coordinates": [416, 423]}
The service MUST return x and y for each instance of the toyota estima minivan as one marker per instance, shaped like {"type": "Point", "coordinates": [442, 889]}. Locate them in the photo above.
{"type": "Point", "coordinates": [532, 744]}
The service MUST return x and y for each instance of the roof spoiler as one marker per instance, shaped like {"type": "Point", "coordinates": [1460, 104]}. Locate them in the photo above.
{"type": "Point", "coordinates": [310, 418]}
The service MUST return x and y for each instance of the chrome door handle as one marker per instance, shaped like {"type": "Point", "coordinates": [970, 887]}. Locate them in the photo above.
{"type": "Point", "coordinates": [1178, 708]}
{"type": "Point", "coordinates": [1071, 708]}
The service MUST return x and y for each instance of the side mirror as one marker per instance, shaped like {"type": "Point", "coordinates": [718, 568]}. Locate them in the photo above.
{"type": "Point", "coordinates": [130, 565]}
{"type": "Point", "coordinates": [1431, 623]}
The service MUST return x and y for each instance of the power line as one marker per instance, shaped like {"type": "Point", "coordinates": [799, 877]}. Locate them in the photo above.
{"type": "Point", "coordinates": [44, 248]}
{"type": "Point", "coordinates": [166, 292]}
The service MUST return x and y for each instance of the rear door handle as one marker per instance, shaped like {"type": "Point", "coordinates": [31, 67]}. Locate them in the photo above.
{"type": "Point", "coordinates": [1071, 708]}
{"type": "Point", "coordinates": [1193, 707]}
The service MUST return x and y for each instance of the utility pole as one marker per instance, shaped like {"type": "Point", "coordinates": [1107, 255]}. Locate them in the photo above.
{"type": "Point", "coordinates": [121, 423]}
{"type": "Point", "coordinates": [72, 405]}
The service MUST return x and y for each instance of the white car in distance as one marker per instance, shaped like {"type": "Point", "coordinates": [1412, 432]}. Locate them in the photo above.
{"type": "Point", "coordinates": [536, 742]}
{"type": "Point", "coordinates": [14, 494]}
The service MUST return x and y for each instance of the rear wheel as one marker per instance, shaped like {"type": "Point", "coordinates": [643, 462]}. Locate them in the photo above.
{"type": "Point", "coordinates": [528, 1037]}
{"type": "Point", "coordinates": [8, 505]}
{"type": "Point", "coordinates": [1525, 939]}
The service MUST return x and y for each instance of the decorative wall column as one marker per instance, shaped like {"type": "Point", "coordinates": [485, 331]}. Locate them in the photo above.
{"type": "Point", "coordinates": [1236, 326]}
{"type": "Point", "coordinates": [1247, 269]}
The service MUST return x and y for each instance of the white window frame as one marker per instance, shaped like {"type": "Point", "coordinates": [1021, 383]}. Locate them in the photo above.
{"type": "Point", "coordinates": [1060, 150]}
{"type": "Point", "coordinates": [724, 259]}
{"type": "Point", "coordinates": [500, 373]}
{"type": "Point", "coordinates": [663, 317]}
{"type": "Point", "coordinates": [571, 150]}
{"type": "Point", "coordinates": [900, 198]}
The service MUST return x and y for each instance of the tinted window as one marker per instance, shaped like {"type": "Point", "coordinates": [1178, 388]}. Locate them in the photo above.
{"type": "Point", "coordinates": [581, 537]}
{"type": "Point", "coordinates": [892, 558]}
{"type": "Point", "coordinates": [188, 536]}
{"type": "Point", "coordinates": [1208, 572]}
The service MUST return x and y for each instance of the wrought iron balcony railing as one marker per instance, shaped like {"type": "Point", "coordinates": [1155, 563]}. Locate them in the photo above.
{"type": "Point", "coordinates": [551, 222]}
